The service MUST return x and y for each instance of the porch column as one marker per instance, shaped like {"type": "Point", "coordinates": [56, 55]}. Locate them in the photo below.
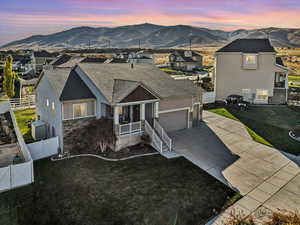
{"type": "Point", "coordinates": [156, 109]}
{"type": "Point", "coordinates": [142, 111]}
{"type": "Point", "coordinates": [116, 115]}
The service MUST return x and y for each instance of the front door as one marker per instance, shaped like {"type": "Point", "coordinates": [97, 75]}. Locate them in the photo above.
{"type": "Point", "coordinates": [149, 113]}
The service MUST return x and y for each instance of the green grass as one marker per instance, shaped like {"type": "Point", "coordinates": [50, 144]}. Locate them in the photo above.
{"type": "Point", "coordinates": [294, 78]}
{"type": "Point", "coordinates": [24, 117]}
{"type": "Point", "coordinates": [273, 125]}
{"type": "Point", "coordinates": [258, 138]}
{"type": "Point", "coordinates": [90, 191]}
{"type": "Point", "coordinates": [224, 112]}
{"type": "Point", "coordinates": [168, 70]}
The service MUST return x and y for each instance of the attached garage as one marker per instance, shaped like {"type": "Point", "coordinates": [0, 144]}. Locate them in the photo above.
{"type": "Point", "coordinates": [172, 121]}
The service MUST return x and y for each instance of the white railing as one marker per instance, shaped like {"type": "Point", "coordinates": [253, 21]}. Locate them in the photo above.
{"type": "Point", "coordinates": [163, 134]}
{"type": "Point", "coordinates": [130, 128]}
{"type": "Point", "coordinates": [25, 102]}
{"type": "Point", "coordinates": [156, 142]}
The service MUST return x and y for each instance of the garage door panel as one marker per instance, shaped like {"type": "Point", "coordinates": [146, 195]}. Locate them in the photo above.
{"type": "Point", "coordinates": [173, 121]}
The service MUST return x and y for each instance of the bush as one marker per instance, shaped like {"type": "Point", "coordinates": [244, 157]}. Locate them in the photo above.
{"type": "Point", "coordinates": [282, 217]}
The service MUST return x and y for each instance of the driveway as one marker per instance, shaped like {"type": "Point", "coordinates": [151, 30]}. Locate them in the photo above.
{"type": "Point", "coordinates": [263, 175]}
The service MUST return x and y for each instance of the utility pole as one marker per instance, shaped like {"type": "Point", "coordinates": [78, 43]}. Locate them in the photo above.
{"type": "Point", "coordinates": [139, 44]}
{"type": "Point", "coordinates": [190, 44]}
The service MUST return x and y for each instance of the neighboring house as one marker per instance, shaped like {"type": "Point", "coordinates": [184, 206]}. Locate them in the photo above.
{"type": "Point", "coordinates": [132, 96]}
{"type": "Point", "coordinates": [185, 60]}
{"type": "Point", "coordinates": [41, 58]}
{"type": "Point", "coordinates": [140, 57]}
{"type": "Point", "coordinates": [249, 67]}
{"type": "Point", "coordinates": [61, 59]}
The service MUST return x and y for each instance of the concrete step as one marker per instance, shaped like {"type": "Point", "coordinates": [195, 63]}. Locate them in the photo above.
{"type": "Point", "coordinates": [170, 154]}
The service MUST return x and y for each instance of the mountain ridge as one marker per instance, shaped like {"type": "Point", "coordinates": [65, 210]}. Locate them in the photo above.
{"type": "Point", "coordinates": [152, 36]}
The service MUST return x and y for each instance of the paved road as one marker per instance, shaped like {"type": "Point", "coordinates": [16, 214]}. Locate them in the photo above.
{"type": "Point", "coordinates": [264, 176]}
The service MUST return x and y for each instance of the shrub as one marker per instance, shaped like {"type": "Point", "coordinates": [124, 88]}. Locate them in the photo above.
{"type": "Point", "coordinates": [283, 217]}
{"type": "Point", "coordinates": [100, 134]}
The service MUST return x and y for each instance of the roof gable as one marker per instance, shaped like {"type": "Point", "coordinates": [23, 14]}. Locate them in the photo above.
{"type": "Point", "coordinates": [75, 88]}
{"type": "Point", "coordinates": [248, 46]}
{"type": "Point", "coordinates": [139, 94]}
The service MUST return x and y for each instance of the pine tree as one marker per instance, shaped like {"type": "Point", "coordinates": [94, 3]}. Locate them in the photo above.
{"type": "Point", "coordinates": [9, 78]}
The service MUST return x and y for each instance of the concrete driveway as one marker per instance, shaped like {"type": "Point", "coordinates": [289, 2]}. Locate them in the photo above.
{"type": "Point", "coordinates": [263, 175]}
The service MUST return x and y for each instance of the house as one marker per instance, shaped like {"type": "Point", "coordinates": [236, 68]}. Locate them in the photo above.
{"type": "Point", "coordinates": [41, 58]}
{"type": "Point", "coordinates": [136, 97]}
{"type": "Point", "coordinates": [185, 60]}
{"type": "Point", "coordinates": [140, 57]}
{"type": "Point", "coordinates": [249, 67]}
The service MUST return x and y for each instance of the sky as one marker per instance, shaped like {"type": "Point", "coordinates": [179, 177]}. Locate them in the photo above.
{"type": "Point", "coordinates": [23, 18]}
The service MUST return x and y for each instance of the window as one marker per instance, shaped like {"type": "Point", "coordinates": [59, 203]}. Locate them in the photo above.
{"type": "Point", "coordinates": [79, 110]}
{"type": "Point", "coordinates": [250, 59]}
{"type": "Point", "coordinates": [262, 94]}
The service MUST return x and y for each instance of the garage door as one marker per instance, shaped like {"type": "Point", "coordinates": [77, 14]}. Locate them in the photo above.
{"type": "Point", "coordinates": [172, 121]}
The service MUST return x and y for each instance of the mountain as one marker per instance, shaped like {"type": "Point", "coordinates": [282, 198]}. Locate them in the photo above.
{"type": "Point", "coordinates": [152, 36]}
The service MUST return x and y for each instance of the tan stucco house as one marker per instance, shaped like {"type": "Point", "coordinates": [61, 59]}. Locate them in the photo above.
{"type": "Point", "coordinates": [138, 98]}
{"type": "Point", "coordinates": [185, 60]}
{"type": "Point", "coordinates": [249, 67]}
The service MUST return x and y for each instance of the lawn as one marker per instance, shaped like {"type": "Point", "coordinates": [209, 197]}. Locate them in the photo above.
{"type": "Point", "coordinates": [168, 70]}
{"type": "Point", "coordinates": [294, 79]}
{"type": "Point", "coordinates": [253, 134]}
{"type": "Point", "coordinates": [24, 117]}
{"type": "Point", "coordinates": [272, 124]}
{"type": "Point", "coordinates": [89, 191]}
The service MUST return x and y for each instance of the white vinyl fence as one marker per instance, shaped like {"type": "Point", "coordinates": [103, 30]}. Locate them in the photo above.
{"type": "Point", "coordinates": [17, 175]}
{"type": "Point", "coordinates": [208, 97]}
{"type": "Point", "coordinates": [22, 103]}
{"type": "Point", "coordinates": [43, 149]}
{"type": "Point", "coordinates": [14, 176]}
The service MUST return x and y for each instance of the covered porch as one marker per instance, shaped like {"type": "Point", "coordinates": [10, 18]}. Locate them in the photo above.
{"type": "Point", "coordinates": [129, 118]}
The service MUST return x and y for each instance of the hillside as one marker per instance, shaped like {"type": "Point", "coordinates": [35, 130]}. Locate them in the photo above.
{"type": "Point", "coordinates": [152, 36]}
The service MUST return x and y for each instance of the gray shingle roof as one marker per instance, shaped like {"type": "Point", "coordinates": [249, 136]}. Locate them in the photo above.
{"type": "Point", "coordinates": [116, 81]}
{"type": "Point", "coordinates": [248, 46]}
{"type": "Point", "coordinates": [57, 78]}
{"type": "Point", "coordinates": [104, 76]}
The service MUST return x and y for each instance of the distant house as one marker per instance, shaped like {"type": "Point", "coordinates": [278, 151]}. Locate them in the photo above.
{"type": "Point", "coordinates": [185, 60]}
{"type": "Point", "coordinates": [41, 58]}
{"type": "Point", "coordinates": [249, 67]}
{"type": "Point", "coordinates": [135, 97]}
{"type": "Point", "coordinates": [140, 57]}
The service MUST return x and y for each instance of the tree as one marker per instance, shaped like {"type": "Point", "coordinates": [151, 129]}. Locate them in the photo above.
{"type": "Point", "coordinates": [9, 77]}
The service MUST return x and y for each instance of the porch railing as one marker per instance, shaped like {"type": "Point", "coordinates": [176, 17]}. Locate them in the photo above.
{"type": "Point", "coordinates": [163, 134]}
{"type": "Point", "coordinates": [130, 128]}
{"type": "Point", "coordinates": [155, 139]}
